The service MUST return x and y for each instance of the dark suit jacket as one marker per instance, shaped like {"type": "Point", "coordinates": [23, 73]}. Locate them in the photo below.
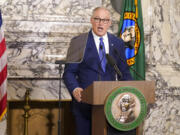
{"type": "Point", "coordinates": [84, 73]}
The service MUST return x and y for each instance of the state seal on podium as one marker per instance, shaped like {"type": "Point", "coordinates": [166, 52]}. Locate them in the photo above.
{"type": "Point", "coordinates": [125, 108]}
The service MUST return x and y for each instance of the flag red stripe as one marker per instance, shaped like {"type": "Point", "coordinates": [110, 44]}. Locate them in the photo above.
{"type": "Point", "coordinates": [3, 104]}
{"type": "Point", "coordinates": [3, 75]}
{"type": "Point", "coordinates": [2, 47]}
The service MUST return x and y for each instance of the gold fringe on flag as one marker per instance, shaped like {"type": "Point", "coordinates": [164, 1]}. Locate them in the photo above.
{"type": "Point", "coordinates": [136, 5]}
{"type": "Point", "coordinates": [4, 112]}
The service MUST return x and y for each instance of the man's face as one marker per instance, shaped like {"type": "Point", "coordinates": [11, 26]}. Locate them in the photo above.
{"type": "Point", "coordinates": [100, 22]}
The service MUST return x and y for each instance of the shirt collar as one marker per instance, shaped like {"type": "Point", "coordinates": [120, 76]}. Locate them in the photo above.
{"type": "Point", "coordinates": [97, 37]}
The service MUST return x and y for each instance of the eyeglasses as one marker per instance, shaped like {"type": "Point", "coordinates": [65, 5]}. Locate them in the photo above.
{"type": "Point", "coordinates": [98, 20]}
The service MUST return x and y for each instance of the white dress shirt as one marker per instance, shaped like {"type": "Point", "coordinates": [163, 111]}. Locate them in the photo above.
{"type": "Point", "coordinates": [105, 40]}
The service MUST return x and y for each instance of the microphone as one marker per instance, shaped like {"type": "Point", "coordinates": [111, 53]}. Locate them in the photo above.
{"type": "Point", "coordinates": [117, 54]}
{"type": "Point", "coordinates": [112, 62]}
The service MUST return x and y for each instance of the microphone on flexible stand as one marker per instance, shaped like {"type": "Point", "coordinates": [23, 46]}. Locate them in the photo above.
{"type": "Point", "coordinates": [117, 54]}
{"type": "Point", "coordinates": [112, 62]}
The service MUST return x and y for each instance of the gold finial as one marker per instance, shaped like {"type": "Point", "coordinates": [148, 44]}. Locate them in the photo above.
{"type": "Point", "coordinates": [26, 112]}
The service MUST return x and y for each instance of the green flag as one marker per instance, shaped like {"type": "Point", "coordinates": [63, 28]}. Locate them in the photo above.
{"type": "Point", "coordinates": [131, 31]}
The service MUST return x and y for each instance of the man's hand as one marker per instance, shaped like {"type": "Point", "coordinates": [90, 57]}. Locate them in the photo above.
{"type": "Point", "coordinates": [77, 94]}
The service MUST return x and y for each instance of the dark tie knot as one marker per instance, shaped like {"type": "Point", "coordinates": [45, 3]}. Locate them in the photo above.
{"type": "Point", "coordinates": [101, 39]}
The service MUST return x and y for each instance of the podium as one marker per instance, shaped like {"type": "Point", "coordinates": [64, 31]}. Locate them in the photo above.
{"type": "Point", "coordinates": [98, 91]}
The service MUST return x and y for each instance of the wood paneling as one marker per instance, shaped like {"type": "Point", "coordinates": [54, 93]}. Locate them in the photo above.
{"type": "Point", "coordinates": [43, 118]}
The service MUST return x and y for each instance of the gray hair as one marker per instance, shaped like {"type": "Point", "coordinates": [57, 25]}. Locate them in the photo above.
{"type": "Point", "coordinates": [97, 8]}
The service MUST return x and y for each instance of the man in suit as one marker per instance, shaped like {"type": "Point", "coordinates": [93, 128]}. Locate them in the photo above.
{"type": "Point", "coordinates": [93, 65]}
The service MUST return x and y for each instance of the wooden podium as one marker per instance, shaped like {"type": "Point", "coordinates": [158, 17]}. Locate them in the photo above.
{"type": "Point", "coordinates": [97, 93]}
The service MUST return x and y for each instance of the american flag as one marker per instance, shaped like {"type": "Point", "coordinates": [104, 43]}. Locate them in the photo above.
{"type": "Point", "coordinates": [3, 72]}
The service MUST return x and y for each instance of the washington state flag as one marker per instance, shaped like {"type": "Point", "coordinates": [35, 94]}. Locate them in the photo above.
{"type": "Point", "coordinates": [131, 31]}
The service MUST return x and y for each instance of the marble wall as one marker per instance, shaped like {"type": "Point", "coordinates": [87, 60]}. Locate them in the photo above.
{"type": "Point", "coordinates": [38, 33]}
{"type": "Point", "coordinates": [163, 65]}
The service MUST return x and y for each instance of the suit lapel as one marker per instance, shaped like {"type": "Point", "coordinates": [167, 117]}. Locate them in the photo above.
{"type": "Point", "coordinates": [110, 44]}
{"type": "Point", "coordinates": [91, 56]}
{"type": "Point", "coordinates": [111, 49]}
{"type": "Point", "coordinates": [93, 47]}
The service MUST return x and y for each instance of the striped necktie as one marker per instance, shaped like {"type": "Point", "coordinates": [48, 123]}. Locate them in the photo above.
{"type": "Point", "coordinates": [102, 54]}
